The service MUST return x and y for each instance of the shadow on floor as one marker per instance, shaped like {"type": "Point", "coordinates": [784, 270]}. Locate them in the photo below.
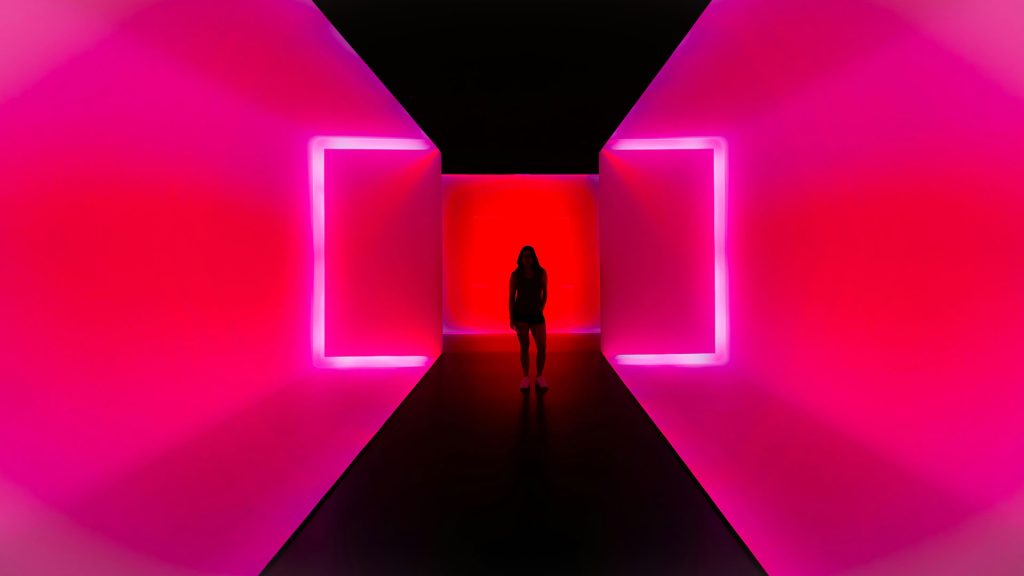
{"type": "Point", "coordinates": [470, 476]}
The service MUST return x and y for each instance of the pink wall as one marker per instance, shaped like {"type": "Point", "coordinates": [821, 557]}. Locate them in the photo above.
{"type": "Point", "coordinates": [488, 218]}
{"type": "Point", "coordinates": [159, 410]}
{"type": "Point", "coordinates": [869, 419]}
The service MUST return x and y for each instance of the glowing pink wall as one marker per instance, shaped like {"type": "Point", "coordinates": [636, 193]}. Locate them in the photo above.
{"type": "Point", "coordinates": [159, 408]}
{"type": "Point", "coordinates": [488, 218]}
{"type": "Point", "coordinates": [869, 418]}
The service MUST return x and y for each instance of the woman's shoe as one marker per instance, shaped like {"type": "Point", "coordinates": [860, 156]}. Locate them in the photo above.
{"type": "Point", "coordinates": [542, 384]}
{"type": "Point", "coordinates": [524, 384]}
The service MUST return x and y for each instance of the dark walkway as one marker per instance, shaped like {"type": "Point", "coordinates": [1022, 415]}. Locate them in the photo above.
{"type": "Point", "coordinates": [471, 476]}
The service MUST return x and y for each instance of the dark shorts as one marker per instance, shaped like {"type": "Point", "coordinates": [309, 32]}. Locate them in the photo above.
{"type": "Point", "coordinates": [537, 318]}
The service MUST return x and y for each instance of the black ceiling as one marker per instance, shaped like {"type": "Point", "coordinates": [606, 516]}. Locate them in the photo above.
{"type": "Point", "coordinates": [524, 86]}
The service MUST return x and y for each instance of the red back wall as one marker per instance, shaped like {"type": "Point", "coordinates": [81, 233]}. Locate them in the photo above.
{"type": "Point", "coordinates": [488, 219]}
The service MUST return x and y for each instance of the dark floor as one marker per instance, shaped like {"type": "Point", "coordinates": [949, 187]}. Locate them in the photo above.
{"type": "Point", "coordinates": [472, 476]}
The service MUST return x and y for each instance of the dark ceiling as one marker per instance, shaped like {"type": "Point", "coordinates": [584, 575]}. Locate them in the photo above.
{"type": "Point", "coordinates": [524, 86]}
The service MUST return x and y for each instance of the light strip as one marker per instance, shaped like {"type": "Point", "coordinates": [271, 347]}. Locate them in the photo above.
{"type": "Point", "coordinates": [721, 353]}
{"type": "Point", "coordinates": [461, 331]}
{"type": "Point", "coordinates": [317, 148]}
{"type": "Point", "coordinates": [372, 361]}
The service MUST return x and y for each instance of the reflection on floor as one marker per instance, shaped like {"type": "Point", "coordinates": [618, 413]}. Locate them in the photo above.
{"type": "Point", "coordinates": [470, 475]}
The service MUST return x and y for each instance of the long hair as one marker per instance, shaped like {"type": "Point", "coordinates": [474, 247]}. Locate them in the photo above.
{"type": "Point", "coordinates": [536, 261]}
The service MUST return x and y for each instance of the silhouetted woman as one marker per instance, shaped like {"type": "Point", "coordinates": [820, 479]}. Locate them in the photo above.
{"type": "Point", "coordinates": [527, 294]}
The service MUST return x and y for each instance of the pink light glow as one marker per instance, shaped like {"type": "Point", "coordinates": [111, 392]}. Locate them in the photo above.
{"type": "Point", "coordinates": [721, 279]}
{"type": "Point", "coordinates": [372, 361]}
{"type": "Point", "coordinates": [670, 359]}
{"type": "Point", "coordinates": [631, 321]}
{"type": "Point", "coordinates": [318, 147]}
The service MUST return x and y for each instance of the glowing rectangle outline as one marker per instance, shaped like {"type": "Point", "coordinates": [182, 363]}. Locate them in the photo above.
{"type": "Point", "coordinates": [471, 332]}
{"type": "Point", "coordinates": [318, 146]}
{"type": "Point", "coordinates": [721, 354]}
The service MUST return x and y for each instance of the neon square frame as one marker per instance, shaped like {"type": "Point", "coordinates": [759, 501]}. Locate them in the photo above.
{"type": "Point", "coordinates": [318, 146]}
{"type": "Point", "coordinates": [720, 355]}
{"type": "Point", "coordinates": [554, 182]}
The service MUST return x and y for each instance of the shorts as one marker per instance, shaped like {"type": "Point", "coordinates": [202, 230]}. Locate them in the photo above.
{"type": "Point", "coordinates": [536, 318]}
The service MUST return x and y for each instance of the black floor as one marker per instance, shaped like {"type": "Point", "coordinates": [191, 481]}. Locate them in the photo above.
{"type": "Point", "coordinates": [471, 476]}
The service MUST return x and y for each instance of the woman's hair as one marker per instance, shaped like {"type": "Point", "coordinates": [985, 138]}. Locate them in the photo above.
{"type": "Point", "coordinates": [536, 261]}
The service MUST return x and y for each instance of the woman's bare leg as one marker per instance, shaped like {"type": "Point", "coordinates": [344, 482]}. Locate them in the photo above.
{"type": "Point", "coordinates": [523, 333]}
{"type": "Point", "coordinates": [540, 336]}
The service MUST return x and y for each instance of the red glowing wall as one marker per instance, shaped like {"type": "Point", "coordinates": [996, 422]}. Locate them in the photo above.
{"type": "Point", "coordinates": [159, 408]}
{"type": "Point", "coordinates": [869, 418]}
{"type": "Point", "coordinates": [489, 218]}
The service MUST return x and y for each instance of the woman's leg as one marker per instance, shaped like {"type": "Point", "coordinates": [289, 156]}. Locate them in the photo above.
{"type": "Point", "coordinates": [523, 333]}
{"type": "Point", "coordinates": [540, 336]}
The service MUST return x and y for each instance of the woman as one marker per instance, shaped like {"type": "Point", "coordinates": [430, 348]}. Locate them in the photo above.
{"type": "Point", "coordinates": [527, 294]}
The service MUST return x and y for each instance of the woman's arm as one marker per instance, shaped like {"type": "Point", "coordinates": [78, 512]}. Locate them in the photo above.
{"type": "Point", "coordinates": [543, 290]}
{"type": "Point", "coordinates": [511, 299]}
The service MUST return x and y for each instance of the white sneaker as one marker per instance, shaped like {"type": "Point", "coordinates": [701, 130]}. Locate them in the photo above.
{"type": "Point", "coordinates": [524, 384]}
{"type": "Point", "coordinates": [542, 383]}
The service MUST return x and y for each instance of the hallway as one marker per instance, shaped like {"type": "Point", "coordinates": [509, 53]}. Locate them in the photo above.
{"type": "Point", "coordinates": [470, 475]}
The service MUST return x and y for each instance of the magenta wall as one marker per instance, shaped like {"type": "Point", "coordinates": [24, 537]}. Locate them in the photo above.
{"type": "Point", "coordinates": [869, 419]}
{"type": "Point", "coordinates": [159, 409]}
